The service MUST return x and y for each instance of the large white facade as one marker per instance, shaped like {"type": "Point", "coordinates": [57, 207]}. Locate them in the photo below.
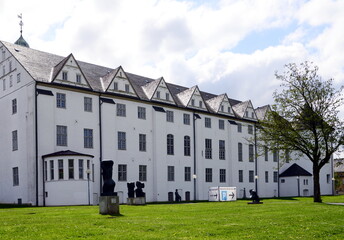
{"type": "Point", "coordinates": [60, 118]}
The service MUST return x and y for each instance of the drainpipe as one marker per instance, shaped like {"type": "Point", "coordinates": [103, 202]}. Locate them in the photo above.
{"type": "Point", "coordinates": [100, 145]}
{"type": "Point", "coordinates": [255, 158]}
{"type": "Point", "coordinates": [36, 143]}
{"type": "Point", "coordinates": [194, 153]}
{"type": "Point", "coordinates": [278, 173]}
{"type": "Point", "coordinates": [43, 181]}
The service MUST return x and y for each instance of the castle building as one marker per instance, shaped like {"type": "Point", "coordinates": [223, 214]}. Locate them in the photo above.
{"type": "Point", "coordinates": [61, 117]}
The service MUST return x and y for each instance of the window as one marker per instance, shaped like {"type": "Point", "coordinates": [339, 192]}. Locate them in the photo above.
{"type": "Point", "coordinates": [11, 81]}
{"type": "Point", "coordinates": [207, 122]}
{"type": "Point", "coordinates": [246, 113]}
{"type": "Point", "coordinates": [222, 150]}
{"type": "Point", "coordinates": [71, 168]}
{"type": "Point", "coordinates": [14, 140]}
{"type": "Point", "coordinates": [88, 168]}
{"type": "Point", "coordinates": [275, 156]}
{"type": "Point", "coordinates": [4, 85]}
{"type": "Point", "coordinates": [60, 100]}
{"type": "Point", "coordinates": [65, 75]}
{"type": "Point", "coordinates": [14, 106]}
{"type": "Point", "coordinates": [122, 172]}
{"type": "Point", "coordinates": [141, 112]}
{"type": "Point", "coordinates": [170, 196]}
{"type": "Point", "coordinates": [78, 78]}
{"type": "Point", "coordinates": [170, 144]}
{"type": "Point", "coordinates": [266, 176]}
{"type": "Point", "coordinates": [186, 119]}
{"type": "Point", "coordinates": [222, 175]}
{"type": "Point", "coordinates": [282, 180]}
{"type": "Point", "coordinates": [252, 114]}
{"type": "Point", "coordinates": [229, 109]}
{"type": "Point", "coordinates": [142, 142]}
{"type": "Point", "coordinates": [328, 178]}
{"type": "Point", "coordinates": [169, 116]}
{"type": "Point", "coordinates": [60, 168]}
{"type": "Point", "coordinates": [167, 97]}
{"type": "Point", "coordinates": [192, 101]}
{"type": "Point", "coordinates": [121, 110]}
{"type": "Point", "coordinates": [45, 171]}
{"type": "Point", "coordinates": [250, 153]}
{"type": "Point", "coordinates": [222, 108]}
{"type": "Point", "coordinates": [15, 171]}
{"type": "Point", "coordinates": [61, 135]}
{"type": "Point", "coordinates": [251, 176]}
{"type": "Point", "coordinates": [266, 153]}
{"type": "Point", "coordinates": [127, 88]}
{"type": "Point", "coordinates": [158, 94]}
{"type": "Point", "coordinates": [239, 127]}
{"type": "Point", "coordinates": [241, 176]}
{"type": "Point", "coordinates": [170, 173]}
{"type": "Point", "coordinates": [249, 129]}
{"type": "Point", "coordinates": [81, 169]}
{"type": "Point", "coordinates": [143, 173]}
{"type": "Point", "coordinates": [122, 145]}
{"type": "Point", "coordinates": [305, 181]}
{"type": "Point", "coordinates": [200, 104]}
{"type": "Point", "coordinates": [87, 104]}
{"type": "Point", "coordinates": [88, 138]}
{"type": "Point", "coordinates": [18, 77]}
{"type": "Point", "coordinates": [187, 174]}
{"type": "Point", "coordinates": [51, 169]}
{"type": "Point", "coordinates": [115, 86]}
{"type": "Point", "coordinates": [208, 174]}
{"type": "Point", "coordinates": [221, 124]}
{"type": "Point", "coordinates": [275, 176]}
{"type": "Point", "coordinates": [208, 149]}
{"type": "Point", "coordinates": [187, 146]}
{"type": "Point", "coordinates": [240, 152]}
{"type": "Point", "coordinates": [287, 156]}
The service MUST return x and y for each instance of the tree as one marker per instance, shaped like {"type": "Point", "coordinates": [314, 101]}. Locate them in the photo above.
{"type": "Point", "coordinates": [304, 118]}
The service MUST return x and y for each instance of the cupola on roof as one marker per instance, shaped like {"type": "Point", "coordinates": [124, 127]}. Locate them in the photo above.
{"type": "Point", "coordinates": [21, 41]}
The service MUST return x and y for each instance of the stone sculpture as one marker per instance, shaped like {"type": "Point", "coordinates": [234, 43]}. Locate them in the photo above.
{"type": "Point", "coordinates": [139, 192]}
{"type": "Point", "coordinates": [177, 196]}
{"type": "Point", "coordinates": [254, 196]}
{"type": "Point", "coordinates": [131, 189]}
{"type": "Point", "coordinates": [108, 183]}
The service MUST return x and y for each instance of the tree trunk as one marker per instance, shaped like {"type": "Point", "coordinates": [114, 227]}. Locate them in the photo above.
{"type": "Point", "coordinates": [316, 184]}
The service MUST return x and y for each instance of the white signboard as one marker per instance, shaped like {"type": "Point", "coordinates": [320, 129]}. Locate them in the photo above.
{"type": "Point", "coordinates": [222, 194]}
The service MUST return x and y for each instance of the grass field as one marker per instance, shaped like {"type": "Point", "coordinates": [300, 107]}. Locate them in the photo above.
{"type": "Point", "coordinates": [290, 218]}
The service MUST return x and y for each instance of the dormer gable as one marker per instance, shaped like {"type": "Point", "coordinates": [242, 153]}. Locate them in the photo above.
{"type": "Point", "coordinates": [262, 112]}
{"type": "Point", "coordinates": [192, 98]}
{"type": "Point", "coordinates": [158, 90]}
{"type": "Point", "coordinates": [245, 110]}
{"type": "Point", "coordinates": [117, 81]}
{"type": "Point", "coordinates": [220, 104]}
{"type": "Point", "coordinates": [69, 72]}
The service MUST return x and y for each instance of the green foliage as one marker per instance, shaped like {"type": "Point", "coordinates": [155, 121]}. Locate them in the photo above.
{"type": "Point", "coordinates": [289, 218]}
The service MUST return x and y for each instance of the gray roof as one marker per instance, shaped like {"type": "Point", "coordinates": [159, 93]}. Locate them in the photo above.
{"type": "Point", "coordinates": [41, 66]}
{"type": "Point", "coordinates": [261, 112]}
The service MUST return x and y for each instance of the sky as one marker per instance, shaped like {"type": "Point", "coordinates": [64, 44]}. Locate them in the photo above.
{"type": "Point", "coordinates": [229, 46]}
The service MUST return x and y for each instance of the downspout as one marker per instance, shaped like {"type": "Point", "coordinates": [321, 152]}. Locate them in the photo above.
{"type": "Point", "coordinates": [43, 182]}
{"type": "Point", "coordinates": [36, 143]}
{"type": "Point", "coordinates": [100, 145]}
{"type": "Point", "coordinates": [278, 173]}
{"type": "Point", "coordinates": [255, 158]}
{"type": "Point", "coordinates": [194, 153]}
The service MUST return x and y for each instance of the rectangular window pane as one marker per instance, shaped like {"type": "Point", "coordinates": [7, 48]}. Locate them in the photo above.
{"type": "Point", "coordinates": [71, 168]}
{"type": "Point", "coordinates": [266, 176]}
{"type": "Point", "coordinates": [275, 176]}
{"type": "Point", "coordinates": [222, 150]}
{"type": "Point", "coordinates": [170, 173]}
{"type": "Point", "coordinates": [60, 168]}
{"type": "Point", "coordinates": [142, 142]}
{"type": "Point", "coordinates": [122, 142]}
{"type": "Point", "coordinates": [15, 171]}
{"type": "Point", "coordinates": [239, 127]}
{"type": "Point", "coordinates": [60, 100]}
{"type": "Point", "coordinates": [187, 150]}
{"type": "Point", "coordinates": [78, 78]}
{"type": "Point", "coordinates": [251, 176]}
{"type": "Point", "coordinates": [241, 176]}
{"type": "Point", "coordinates": [250, 129]}
{"type": "Point", "coordinates": [222, 175]}
{"type": "Point", "coordinates": [88, 138]}
{"type": "Point", "coordinates": [141, 112]}
{"type": "Point", "coordinates": [186, 119]}
{"type": "Point", "coordinates": [14, 106]}
{"type": "Point", "coordinates": [61, 135]}
{"type": "Point", "coordinates": [122, 172]}
{"type": "Point", "coordinates": [207, 122]}
{"type": "Point", "coordinates": [14, 140]}
{"type": "Point", "coordinates": [240, 152]}
{"type": "Point", "coordinates": [170, 144]}
{"type": "Point", "coordinates": [221, 124]}
{"type": "Point", "coordinates": [250, 153]}
{"type": "Point", "coordinates": [18, 77]}
{"type": "Point", "coordinates": [142, 173]}
{"type": "Point", "coordinates": [87, 104]}
{"type": "Point", "coordinates": [81, 169]}
{"type": "Point", "coordinates": [169, 116]}
{"type": "Point", "coordinates": [275, 156]}
{"type": "Point", "coordinates": [52, 170]}
{"type": "Point", "coordinates": [121, 110]}
{"type": "Point", "coordinates": [266, 153]}
{"type": "Point", "coordinates": [208, 149]}
{"type": "Point", "coordinates": [187, 174]}
{"type": "Point", "coordinates": [208, 174]}
{"type": "Point", "coordinates": [64, 75]}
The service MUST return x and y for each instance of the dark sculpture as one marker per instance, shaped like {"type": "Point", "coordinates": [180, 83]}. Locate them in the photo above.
{"type": "Point", "coordinates": [139, 192]}
{"type": "Point", "coordinates": [131, 189]}
{"type": "Point", "coordinates": [254, 196]}
{"type": "Point", "coordinates": [178, 197]}
{"type": "Point", "coordinates": [109, 184]}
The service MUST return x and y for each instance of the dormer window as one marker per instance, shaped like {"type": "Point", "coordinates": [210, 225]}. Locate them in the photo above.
{"type": "Point", "coordinates": [229, 110]}
{"type": "Point", "coordinates": [10, 66]}
{"type": "Point", "coordinates": [127, 88]}
{"type": "Point", "coordinates": [158, 94]}
{"type": "Point", "coordinates": [222, 108]}
{"type": "Point", "coordinates": [115, 86]}
{"type": "Point", "coordinates": [193, 102]}
{"type": "Point", "coordinates": [167, 97]}
{"type": "Point", "coordinates": [246, 114]}
{"type": "Point", "coordinates": [200, 104]}
{"type": "Point", "coordinates": [64, 75]}
{"type": "Point", "coordinates": [252, 114]}
{"type": "Point", "coordinates": [78, 78]}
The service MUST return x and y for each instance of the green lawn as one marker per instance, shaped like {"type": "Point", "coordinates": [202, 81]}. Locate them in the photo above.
{"type": "Point", "coordinates": [293, 218]}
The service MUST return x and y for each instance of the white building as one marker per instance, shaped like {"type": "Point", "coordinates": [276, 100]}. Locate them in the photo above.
{"type": "Point", "coordinates": [60, 117]}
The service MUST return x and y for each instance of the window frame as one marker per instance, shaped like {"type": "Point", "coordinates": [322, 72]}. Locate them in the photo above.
{"type": "Point", "coordinates": [122, 172]}
{"type": "Point", "coordinates": [121, 140]}
{"type": "Point", "coordinates": [208, 175]}
{"type": "Point", "coordinates": [208, 149]}
{"type": "Point", "coordinates": [121, 110]}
